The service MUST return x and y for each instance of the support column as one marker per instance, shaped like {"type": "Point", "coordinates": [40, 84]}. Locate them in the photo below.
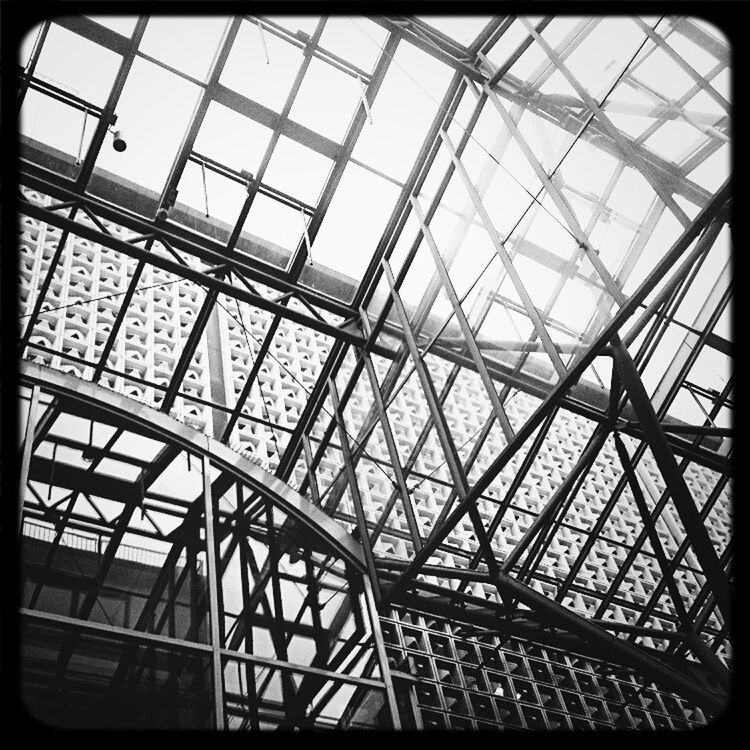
{"type": "Point", "coordinates": [352, 477]}
{"type": "Point", "coordinates": [699, 648]}
{"type": "Point", "coordinates": [213, 597]}
{"type": "Point", "coordinates": [672, 475]}
{"type": "Point", "coordinates": [450, 453]}
{"type": "Point", "coordinates": [377, 637]}
{"type": "Point", "coordinates": [28, 446]}
{"type": "Point", "coordinates": [406, 500]}
{"type": "Point", "coordinates": [217, 364]}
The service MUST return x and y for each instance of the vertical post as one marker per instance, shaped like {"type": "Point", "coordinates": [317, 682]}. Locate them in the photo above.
{"type": "Point", "coordinates": [463, 323]}
{"type": "Point", "coordinates": [377, 637]}
{"type": "Point", "coordinates": [416, 713]}
{"type": "Point", "coordinates": [443, 432]}
{"type": "Point", "coordinates": [213, 596]}
{"type": "Point", "coordinates": [306, 235]}
{"type": "Point", "coordinates": [392, 451]}
{"type": "Point", "coordinates": [673, 478]}
{"type": "Point", "coordinates": [245, 624]}
{"type": "Point", "coordinates": [352, 477]}
{"type": "Point", "coordinates": [311, 480]}
{"type": "Point", "coordinates": [205, 186]}
{"type": "Point", "coordinates": [28, 446]}
{"type": "Point", "coordinates": [217, 348]}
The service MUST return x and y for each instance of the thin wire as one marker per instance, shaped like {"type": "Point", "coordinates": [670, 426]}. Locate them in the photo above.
{"type": "Point", "coordinates": [309, 393]}
{"type": "Point", "coordinates": [465, 443]}
{"type": "Point", "coordinates": [541, 190]}
{"type": "Point", "coordinates": [591, 114]}
{"type": "Point", "coordinates": [335, 594]}
{"type": "Point", "coordinates": [100, 299]}
{"type": "Point", "coordinates": [260, 387]}
{"type": "Point", "coordinates": [444, 110]}
{"type": "Point", "coordinates": [706, 364]}
{"type": "Point", "coordinates": [473, 138]}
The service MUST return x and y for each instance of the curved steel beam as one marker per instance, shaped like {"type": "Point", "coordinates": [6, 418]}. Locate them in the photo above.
{"type": "Point", "coordinates": [168, 429]}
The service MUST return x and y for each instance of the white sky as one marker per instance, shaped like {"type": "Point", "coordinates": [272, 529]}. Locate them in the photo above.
{"type": "Point", "coordinates": [156, 107]}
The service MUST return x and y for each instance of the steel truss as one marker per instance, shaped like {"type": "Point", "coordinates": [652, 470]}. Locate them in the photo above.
{"type": "Point", "coordinates": [407, 341]}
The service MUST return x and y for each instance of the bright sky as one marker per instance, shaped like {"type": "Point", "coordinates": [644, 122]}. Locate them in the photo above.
{"type": "Point", "coordinates": [157, 105]}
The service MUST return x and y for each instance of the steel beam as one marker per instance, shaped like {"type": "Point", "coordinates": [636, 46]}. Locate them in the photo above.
{"type": "Point", "coordinates": [681, 62]}
{"type": "Point", "coordinates": [186, 355]}
{"type": "Point", "coordinates": [359, 512]}
{"type": "Point", "coordinates": [343, 154]}
{"type": "Point", "coordinates": [214, 600]}
{"type": "Point", "coordinates": [381, 655]}
{"type": "Point", "coordinates": [697, 645]}
{"type": "Point", "coordinates": [499, 246]}
{"type": "Point", "coordinates": [582, 466]}
{"type": "Point", "coordinates": [559, 616]}
{"type": "Point", "coordinates": [559, 200]}
{"type": "Point", "coordinates": [208, 251]}
{"type": "Point", "coordinates": [673, 477]}
{"type": "Point", "coordinates": [26, 451]}
{"type": "Point", "coordinates": [108, 116]}
{"type": "Point", "coordinates": [406, 501]}
{"type": "Point", "coordinates": [441, 427]}
{"type": "Point", "coordinates": [625, 312]}
{"type": "Point", "coordinates": [275, 136]}
{"type": "Point", "coordinates": [517, 480]}
{"type": "Point", "coordinates": [189, 273]}
{"type": "Point", "coordinates": [463, 322]}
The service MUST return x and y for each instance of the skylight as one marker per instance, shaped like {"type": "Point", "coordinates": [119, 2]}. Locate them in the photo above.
{"type": "Point", "coordinates": [264, 145]}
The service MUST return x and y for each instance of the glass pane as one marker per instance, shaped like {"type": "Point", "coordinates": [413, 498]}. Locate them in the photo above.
{"type": "Point", "coordinates": [187, 44]}
{"type": "Point", "coordinates": [77, 65]}
{"type": "Point", "coordinates": [326, 101]}
{"type": "Point", "coordinates": [247, 72]}
{"type": "Point", "coordinates": [297, 171]}
{"type": "Point", "coordinates": [153, 113]}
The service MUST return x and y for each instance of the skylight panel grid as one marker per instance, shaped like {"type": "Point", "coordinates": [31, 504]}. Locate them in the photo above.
{"type": "Point", "coordinates": [297, 171]}
{"type": "Point", "coordinates": [248, 73]}
{"type": "Point", "coordinates": [356, 39]}
{"type": "Point", "coordinates": [463, 30]}
{"type": "Point", "coordinates": [154, 109]}
{"type": "Point", "coordinates": [232, 139]}
{"type": "Point", "coordinates": [187, 44]}
{"type": "Point", "coordinates": [327, 100]}
{"type": "Point", "coordinates": [67, 59]}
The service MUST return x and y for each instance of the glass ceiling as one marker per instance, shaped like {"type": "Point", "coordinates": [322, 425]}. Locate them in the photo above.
{"type": "Point", "coordinates": [209, 99]}
{"type": "Point", "coordinates": [547, 163]}
{"type": "Point", "coordinates": [591, 143]}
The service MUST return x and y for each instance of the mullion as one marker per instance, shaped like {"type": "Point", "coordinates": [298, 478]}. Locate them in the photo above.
{"type": "Point", "coordinates": [275, 136]}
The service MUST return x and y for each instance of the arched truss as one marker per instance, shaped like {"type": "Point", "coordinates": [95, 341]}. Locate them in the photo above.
{"type": "Point", "coordinates": [582, 504]}
{"type": "Point", "coordinates": [114, 493]}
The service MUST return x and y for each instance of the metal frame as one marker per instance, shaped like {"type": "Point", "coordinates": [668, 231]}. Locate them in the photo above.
{"type": "Point", "coordinates": [365, 327]}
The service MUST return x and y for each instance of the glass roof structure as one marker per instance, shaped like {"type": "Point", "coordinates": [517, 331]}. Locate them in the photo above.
{"type": "Point", "coordinates": [499, 230]}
